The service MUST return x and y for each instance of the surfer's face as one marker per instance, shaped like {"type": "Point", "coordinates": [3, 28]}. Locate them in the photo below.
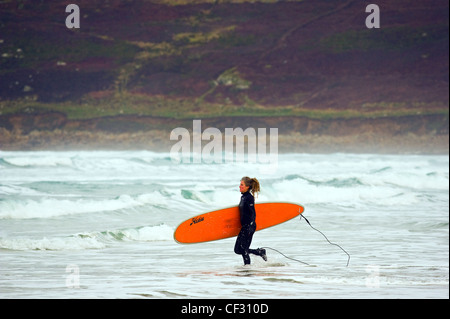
{"type": "Point", "coordinates": [242, 187]}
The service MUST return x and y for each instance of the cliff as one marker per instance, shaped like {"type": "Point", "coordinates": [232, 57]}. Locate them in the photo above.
{"type": "Point", "coordinates": [135, 71]}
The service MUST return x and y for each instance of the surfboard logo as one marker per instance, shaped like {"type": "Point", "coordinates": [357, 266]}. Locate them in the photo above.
{"type": "Point", "coordinates": [197, 220]}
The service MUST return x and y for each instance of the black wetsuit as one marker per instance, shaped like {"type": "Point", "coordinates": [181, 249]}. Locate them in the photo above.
{"type": "Point", "coordinates": [244, 239]}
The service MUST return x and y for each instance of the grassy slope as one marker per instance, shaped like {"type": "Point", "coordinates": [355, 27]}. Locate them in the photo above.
{"type": "Point", "coordinates": [304, 58]}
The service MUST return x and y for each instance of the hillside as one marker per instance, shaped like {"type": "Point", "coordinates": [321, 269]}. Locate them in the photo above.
{"type": "Point", "coordinates": [311, 68]}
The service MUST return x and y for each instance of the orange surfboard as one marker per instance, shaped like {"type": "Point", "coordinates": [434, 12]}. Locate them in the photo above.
{"type": "Point", "coordinates": [225, 223]}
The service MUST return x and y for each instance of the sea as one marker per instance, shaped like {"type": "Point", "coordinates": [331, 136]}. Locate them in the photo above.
{"type": "Point", "coordinates": [100, 224]}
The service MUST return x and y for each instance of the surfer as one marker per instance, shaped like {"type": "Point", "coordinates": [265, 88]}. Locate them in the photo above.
{"type": "Point", "coordinates": [248, 187]}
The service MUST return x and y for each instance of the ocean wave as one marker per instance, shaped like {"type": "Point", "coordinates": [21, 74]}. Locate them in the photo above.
{"type": "Point", "coordinates": [83, 160]}
{"type": "Point", "coordinates": [51, 207]}
{"type": "Point", "coordinates": [18, 190]}
{"type": "Point", "coordinates": [143, 233]}
{"type": "Point", "coordinates": [91, 240]}
{"type": "Point", "coordinates": [333, 182]}
{"type": "Point", "coordinates": [58, 243]}
{"type": "Point", "coordinates": [38, 161]}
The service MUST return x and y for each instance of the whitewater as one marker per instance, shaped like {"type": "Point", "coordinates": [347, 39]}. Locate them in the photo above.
{"type": "Point", "coordinates": [99, 224]}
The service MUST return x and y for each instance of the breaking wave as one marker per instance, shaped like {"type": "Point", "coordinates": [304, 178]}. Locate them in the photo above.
{"type": "Point", "coordinates": [92, 240]}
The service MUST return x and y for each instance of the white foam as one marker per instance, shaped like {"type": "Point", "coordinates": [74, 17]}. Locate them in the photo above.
{"type": "Point", "coordinates": [54, 207]}
{"type": "Point", "coordinates": [92, 240]}
{"type": "Point", "coordinates": [148, 233]}
{"type": "Point", "coordinates": [46, 161]}
{"type": "Point", "coordinates": [18, 190]}
{"type": "Point", "coordinates": [51, 207]}
{"type": "Point", "coordinates": [58, 243]}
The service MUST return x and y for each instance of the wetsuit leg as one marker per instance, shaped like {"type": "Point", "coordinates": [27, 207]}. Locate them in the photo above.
{"type": "Point", "coordinates": [243, 242]}
{"type": "Point", "coordinates": [255, 252]}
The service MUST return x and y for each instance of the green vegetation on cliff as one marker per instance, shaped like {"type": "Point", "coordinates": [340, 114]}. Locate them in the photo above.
{"type": "Point", "coordinates": [213, 58]}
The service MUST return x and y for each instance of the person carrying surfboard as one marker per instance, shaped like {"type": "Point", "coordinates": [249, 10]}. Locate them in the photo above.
{"type": "Point", "coordinates": [248, 187]}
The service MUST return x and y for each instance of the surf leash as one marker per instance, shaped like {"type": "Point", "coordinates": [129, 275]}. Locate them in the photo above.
{"type": "Point", "coordinates": [348, 255]}
{"type": "Point", "coordinates": [286, 256]}
{"type": "Point", "coordinates": [301, 216]}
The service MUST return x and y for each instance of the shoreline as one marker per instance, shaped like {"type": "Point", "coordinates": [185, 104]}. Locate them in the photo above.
{"type": "Point", "coordinates": [420, 134]}
{"type": "Point", "coordinates": [159, 141]}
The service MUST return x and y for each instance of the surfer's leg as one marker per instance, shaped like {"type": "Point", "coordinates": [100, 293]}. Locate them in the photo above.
{"type": "Point", "coordinates": [246, 258]}
{"type": "Point", "coordinates": [259, 252]}
{"type": "Point", "coordinates": [238, 247]}
{"type": "Point", "coordinates": [243, 242]}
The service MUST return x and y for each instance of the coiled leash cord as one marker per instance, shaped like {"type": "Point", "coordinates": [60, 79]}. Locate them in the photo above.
{"type": "Point", "coordinates": [301, 216]}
